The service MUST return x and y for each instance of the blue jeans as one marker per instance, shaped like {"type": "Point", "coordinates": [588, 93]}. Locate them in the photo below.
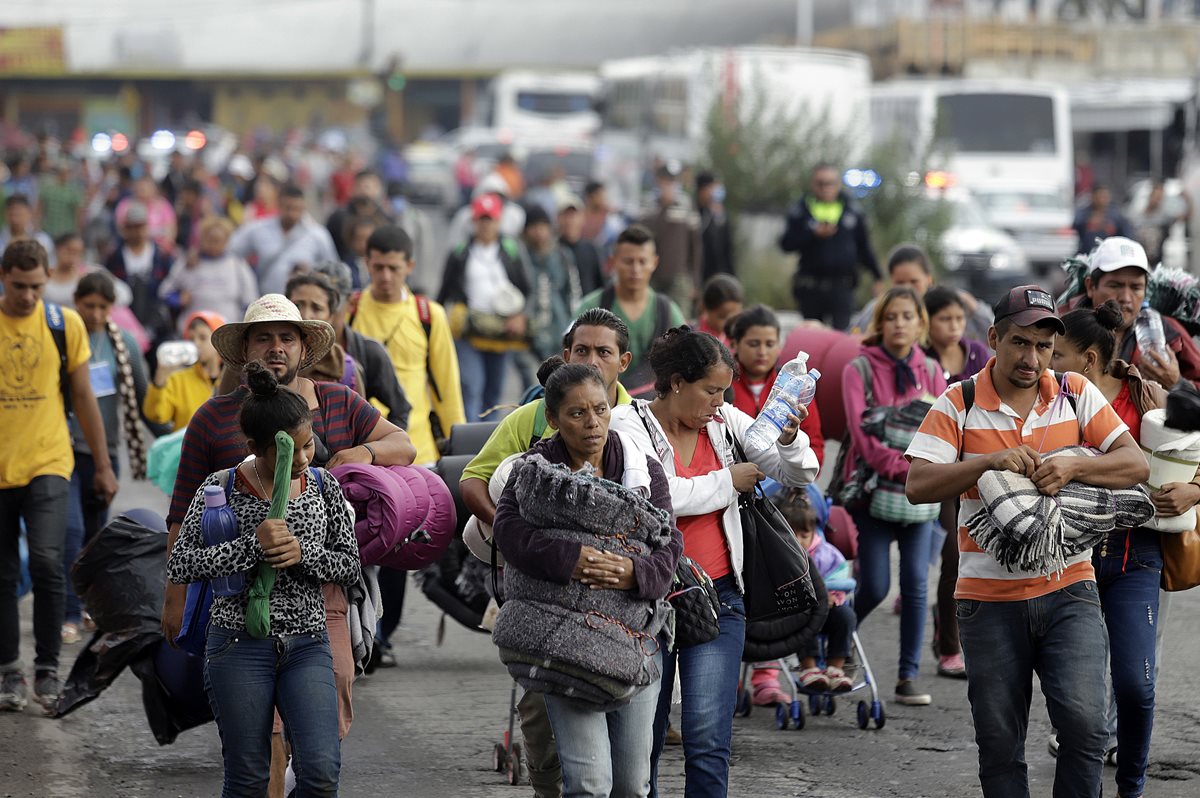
{"type": "Point", "coordinates": [875, 579]}
{"type": "Point", "coordinates": [1060, 636]}
{"type": "Point", "coordinates": [42, 504]}
{"type": "Point", "coordinates": [482, 375]}
{"type": "Point", "coordinates": [87, 513]}
{"type": "Point", "coordinates": [708, 678]}
{"type": "Point", "coordinates": [246, 679]}
{"type": "Point", "coordinates": [605, 754]}
{"type": "Point", "coordinates": [1128, 570]}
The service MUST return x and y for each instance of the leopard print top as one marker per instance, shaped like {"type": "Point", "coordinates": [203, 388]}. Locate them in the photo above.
{"type": "Point", "coordinates": [328, 551]}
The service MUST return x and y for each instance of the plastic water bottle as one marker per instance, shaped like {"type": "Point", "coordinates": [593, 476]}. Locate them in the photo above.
{"type": "Point", "coordinates": [795, 386]}
{"type": "Point", "coordinates": [1148, 328]}
{"type": "Point", "coordinates": [219, 525]}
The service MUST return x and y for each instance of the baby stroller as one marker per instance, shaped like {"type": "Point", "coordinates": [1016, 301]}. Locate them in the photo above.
{"type": "Point", "coordinates": [835, 526]}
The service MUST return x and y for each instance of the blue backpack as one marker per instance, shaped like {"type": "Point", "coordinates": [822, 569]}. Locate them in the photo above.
{"type": "Point", "coordinates": [193, 634]}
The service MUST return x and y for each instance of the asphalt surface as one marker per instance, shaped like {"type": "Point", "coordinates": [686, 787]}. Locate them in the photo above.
{"type": "Point", "coordinates": [427, 727]}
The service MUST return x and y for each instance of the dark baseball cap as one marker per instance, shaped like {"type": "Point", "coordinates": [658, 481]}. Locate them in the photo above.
{"type": "Point", "coordinates": [1028, 305]}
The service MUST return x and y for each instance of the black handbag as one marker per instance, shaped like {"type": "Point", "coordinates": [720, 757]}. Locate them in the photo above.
{"type": "Point", "coordinates": [697, 606]}
{"type": "Point", "coordinates": [775, 569]}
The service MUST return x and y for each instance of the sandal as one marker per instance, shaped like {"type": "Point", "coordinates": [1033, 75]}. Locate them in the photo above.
{"type": "Point", "coordinates": [814, 679]}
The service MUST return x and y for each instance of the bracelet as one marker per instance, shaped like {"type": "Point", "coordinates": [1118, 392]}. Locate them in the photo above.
{"type": "Point", "coordinates": [369, 448]}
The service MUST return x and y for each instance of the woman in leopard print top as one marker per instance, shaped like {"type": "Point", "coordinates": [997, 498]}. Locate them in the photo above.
{"type": "Point", "coordinates": [292, 667]}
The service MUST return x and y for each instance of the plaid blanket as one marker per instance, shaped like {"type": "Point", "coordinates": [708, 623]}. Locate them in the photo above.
{"type": "Point", "coordinates": [1026, 530]}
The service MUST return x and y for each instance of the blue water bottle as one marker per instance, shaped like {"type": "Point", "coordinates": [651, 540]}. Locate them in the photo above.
{"type": "Point", "coordinates": [219, 525]}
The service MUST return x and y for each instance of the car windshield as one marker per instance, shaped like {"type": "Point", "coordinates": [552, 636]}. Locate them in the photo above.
{"type": "Point", "coordinates": [996, 122]}
{"type": "Point", "coordinates": [554, 103]}
{"type": "Point", "coordinates": [575, 164]}
{"type": "Point", "coordinates": [968, 214]}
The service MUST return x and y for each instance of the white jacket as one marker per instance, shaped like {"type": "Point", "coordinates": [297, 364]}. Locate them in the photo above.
{"type": "Point", "coordinates": [794, 465]}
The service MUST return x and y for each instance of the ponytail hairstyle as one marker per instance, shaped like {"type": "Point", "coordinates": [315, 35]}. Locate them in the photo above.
{"type": "Point", "coordinates": [753, 316]}
{"type": "Point", "coordinates": [1094, 328]}
{"type": "Point", "coordinates": [562, 378]}
{"type": "Point", "coordinates": [686, 353]}
{"type": "Point", "coordinates": [270, 408]}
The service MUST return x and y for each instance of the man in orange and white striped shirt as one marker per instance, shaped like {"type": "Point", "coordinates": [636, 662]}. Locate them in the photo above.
{"type": "Point", "coordinates": [1014, 623]}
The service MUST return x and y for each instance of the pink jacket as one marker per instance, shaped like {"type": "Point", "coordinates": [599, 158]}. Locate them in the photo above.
{"type": "Point", "coordinates": [888, 463]}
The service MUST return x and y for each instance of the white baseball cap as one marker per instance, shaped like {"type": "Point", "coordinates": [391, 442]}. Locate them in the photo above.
{"type": "Point", "coordinates": [1118, 252]}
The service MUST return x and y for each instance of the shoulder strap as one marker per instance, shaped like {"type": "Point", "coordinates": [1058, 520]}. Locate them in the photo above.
{"type": "Point", "coordinates": [863, 368]}
{"type": "Point", "coordinates": [539, 424]}
{"type": "Point", "coordinates": [426, 318]}
{"type": "Point", "coordinates": [968, 396]}
{"type": "Point", "coordinates": [315, 474]}
{"type": "Point", "coordinates": [662, 314]}
{"type": "Point", "coordinates": [608, 296]}
{"type": "Point", "coordinates": [352, 307]}
{"type": "Point", "coordinates": [58, 331]}
{"type": "Point", "coordinates": [227, 478]}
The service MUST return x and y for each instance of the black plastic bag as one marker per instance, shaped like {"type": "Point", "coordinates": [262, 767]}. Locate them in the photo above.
{"type": "Point", "coordinates": [121, 573]}
{"type": "Point", "coordinates": [100, 663]}
{"type": "Point", "coordinates": [1183, 408]}
{"type": "Point", "coordinates": [172, 691]}
{"type": "Point", "coordinates": [775, 569]}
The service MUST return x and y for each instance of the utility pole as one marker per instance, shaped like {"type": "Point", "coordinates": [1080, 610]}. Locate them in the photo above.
{"type": "Point", "coordinates": [366, 55]}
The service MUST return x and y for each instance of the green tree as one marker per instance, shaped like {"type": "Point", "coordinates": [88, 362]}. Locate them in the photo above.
{"type": "Point", "coordinates": [765, 156]}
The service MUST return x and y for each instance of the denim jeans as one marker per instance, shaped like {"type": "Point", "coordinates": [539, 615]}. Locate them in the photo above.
{"type": "Point", "coordinates": [1128, 570]}
{"type": "Point", "coordinates": [708, 679]}
{"type": "Point", "coordinates": [482, 374]}
{"type": "Point", "coordinates": [1060, 636]}
{"type": "Point", "coordinates": [875, 579]}
{"type": "Point", "coordinates": [605, 754]}
{"type": "Point", "coordinates": [43, 505]}
{"type": "Point", "coordinates": [87, 513]}
{"type": "Point", "coordinates": [246, 679]}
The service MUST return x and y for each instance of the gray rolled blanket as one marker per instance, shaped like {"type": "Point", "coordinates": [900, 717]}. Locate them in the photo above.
{"type": "Point", "coordinates": [1028, 531]}
{"type": "Point", "coordinates": [609, 633]}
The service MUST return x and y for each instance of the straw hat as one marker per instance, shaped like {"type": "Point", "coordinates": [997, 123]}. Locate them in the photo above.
{"type": "Point", "coordinates": [228, 339]}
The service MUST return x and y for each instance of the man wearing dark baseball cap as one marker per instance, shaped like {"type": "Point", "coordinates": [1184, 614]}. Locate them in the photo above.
{"type": "Point", "coordinates": [1028, 306]}
{"type": "Point", "coordinates": [1008, 417]}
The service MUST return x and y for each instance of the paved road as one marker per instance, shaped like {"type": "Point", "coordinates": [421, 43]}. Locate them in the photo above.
{"type": "Point", "coordinates": [426, 728]}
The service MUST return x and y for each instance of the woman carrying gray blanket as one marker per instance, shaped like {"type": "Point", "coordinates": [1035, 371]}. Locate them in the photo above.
{"type": "Point", "coordinates": [604, 751]}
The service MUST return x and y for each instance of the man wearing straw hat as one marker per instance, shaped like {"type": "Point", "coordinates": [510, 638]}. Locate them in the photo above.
{"type": "Point", "coordinates": [349, 429]}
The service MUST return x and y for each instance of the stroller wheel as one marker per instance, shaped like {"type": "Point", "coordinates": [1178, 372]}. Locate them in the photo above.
{"type": "Point", "coordinates": [797, 715]}
{"type": "Point", "coordinates": [499, 758]}
{"type": "Point", "coordinates": [814, 705]}
{"type": "Point", "coordinates": [864, 715]}
{"type": "Point", "coordinates": [744, 704]}
{"type": "Point", "coordinates": [878, 714]}
{"type": "Point", "coordinates": [830, 705]}
{"type": "Point", "coordinates": [516, 765]}
{"type": "Point", "coordinates": [781, 716]}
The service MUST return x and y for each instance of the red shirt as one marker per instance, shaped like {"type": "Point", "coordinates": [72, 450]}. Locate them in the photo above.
{"type": "Point", "coordinates": [703, 536]}
{"type": "Point", "coordinates": [745, 400]}
{"type": "Point", "coordinates": [1123, 404]}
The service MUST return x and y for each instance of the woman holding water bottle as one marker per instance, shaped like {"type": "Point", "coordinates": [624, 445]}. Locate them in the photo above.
{"type": "Point", "coordinates": [690, 429]}
{"type": "Point", "coordinates": [892, 372]}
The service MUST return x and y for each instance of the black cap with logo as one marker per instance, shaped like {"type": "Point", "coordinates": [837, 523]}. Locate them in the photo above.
{"type": "Point", "coordinates": [1027, 306]}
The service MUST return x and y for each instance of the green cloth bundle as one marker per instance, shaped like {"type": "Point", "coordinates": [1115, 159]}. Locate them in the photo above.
{"type": "Point", "coordinates": [258, 611]}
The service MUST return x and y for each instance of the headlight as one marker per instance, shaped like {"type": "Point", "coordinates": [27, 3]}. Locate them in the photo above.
{"type": "Point", "coordinates": [1000, 261]}
{"type": "Point", "coordinates": [953, 261]}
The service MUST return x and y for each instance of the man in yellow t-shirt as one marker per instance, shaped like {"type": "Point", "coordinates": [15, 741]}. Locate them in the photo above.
{"type": "Point", "coordinates": [36, 461]}
{"type": "Point", "coordinates": [426, 365]}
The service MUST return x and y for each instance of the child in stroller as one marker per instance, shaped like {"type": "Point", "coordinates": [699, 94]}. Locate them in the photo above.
{"type": "Point", "coordinates": [802, 507]}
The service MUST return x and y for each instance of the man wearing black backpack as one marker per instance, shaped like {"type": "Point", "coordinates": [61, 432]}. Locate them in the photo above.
{"type": "Point", "coordinates": [648, 313]}
{"type": "Point", "coordinates": [45, 370]}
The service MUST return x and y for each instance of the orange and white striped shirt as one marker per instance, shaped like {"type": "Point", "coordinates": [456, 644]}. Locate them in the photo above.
{"type": "Point", "coordinates": [993, 426]}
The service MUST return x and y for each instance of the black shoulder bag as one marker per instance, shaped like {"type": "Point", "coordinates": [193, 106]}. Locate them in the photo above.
{"type": "Point", "coordinates": [775, 569]}
{"type": "Point", "coordinates": [693, 595]}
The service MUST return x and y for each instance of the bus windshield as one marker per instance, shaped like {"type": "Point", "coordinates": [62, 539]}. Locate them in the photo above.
{"type": "Point", "coordinates": [554, 103]}
{"type": "Point", "coordinates": [997, 122]}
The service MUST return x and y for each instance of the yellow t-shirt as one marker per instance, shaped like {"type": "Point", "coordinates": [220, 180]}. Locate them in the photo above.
{"type": "Point", "coordinates": [35, 440]}
{"type": "Point", "coordinates": [176, 402]}
{"type": "Point", "coordinates": [398, 327]}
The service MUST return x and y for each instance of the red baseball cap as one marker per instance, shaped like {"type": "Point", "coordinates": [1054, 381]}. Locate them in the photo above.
{"type": "Point", "coordinates": [1028, 305]}
{"type": "Point", "coordinates": [486, 205]}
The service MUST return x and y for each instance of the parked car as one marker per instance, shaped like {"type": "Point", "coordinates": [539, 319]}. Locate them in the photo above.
{"type": "Point", "coordinates": [1038, 217]}
{"type": "Point", "coordinates": [977, 256]}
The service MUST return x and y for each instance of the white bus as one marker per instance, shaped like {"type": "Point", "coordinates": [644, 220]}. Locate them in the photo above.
{"type": "Point", "coordinates": [1007, 141]}
{"type": "Point", "coordinates": [550, 105]}
{"type": "Point", "coordinates": [659, 106]}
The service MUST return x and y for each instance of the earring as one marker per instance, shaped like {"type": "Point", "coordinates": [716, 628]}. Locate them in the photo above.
{"type": "Point", "coordinates": [1085, 369]}
{"type": "Point", "coordinates": [676, 390]}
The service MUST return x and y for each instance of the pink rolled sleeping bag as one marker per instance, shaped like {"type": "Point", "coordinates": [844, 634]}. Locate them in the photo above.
{"type": "Point", "coordinates": [433, 520]}
{"type": "Point", "coordinates": [381, 503]}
